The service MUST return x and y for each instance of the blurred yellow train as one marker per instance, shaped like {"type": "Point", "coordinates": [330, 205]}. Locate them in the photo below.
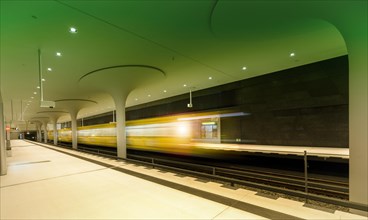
{"type": "Point", "coordinates": [174, 134]}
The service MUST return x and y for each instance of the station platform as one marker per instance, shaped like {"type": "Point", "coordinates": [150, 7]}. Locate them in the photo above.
{"type": "Point", "coordinates": [48, 182]}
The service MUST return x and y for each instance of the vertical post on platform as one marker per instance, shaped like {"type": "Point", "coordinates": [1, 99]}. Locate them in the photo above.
{"type": "Point", "coordinates": [306, 175]}
{"type": "Point", "coordinates": [3, 165]}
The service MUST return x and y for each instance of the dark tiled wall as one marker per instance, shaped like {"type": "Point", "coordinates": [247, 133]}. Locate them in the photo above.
{"type": "Point", "coordinates": [306, 105]}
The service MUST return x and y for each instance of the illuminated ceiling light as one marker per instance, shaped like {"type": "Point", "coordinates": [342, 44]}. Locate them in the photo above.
{"type": "Point", "coordinates": [185, 85]}
{"type": "Point", "coordinates": [32, 97]}
{"type": "Point", "coordinates": [49, 69]}
{"type": "Point", "coordinates": [136, 99]}
{"type": "Point", "coordinates": [244, 68]}
{"type": "Point", "coordinates": [43, 80]}
{"type": "Point", "coordinates": [73, 30]}
{"type": "Point", "coordinates": [210, 77]}
{"type": "Point", "coordinates": [149, 95]}
{"type": "Point", "coordinates": [35, 93]}
{"type": "Point", "coordinates": [292, 54]}
{"type": "Point", "coordinates": [28, 104]}
{"type": "Point", "coordinates": [165, 90]}
{"type": "Point", "coordinates": [38, 87]}
{"type": "Point", "coordinates": [58, 54]}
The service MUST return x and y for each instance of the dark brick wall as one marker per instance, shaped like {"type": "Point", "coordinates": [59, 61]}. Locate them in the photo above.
{"type": "Point", "coordinates": [306, 105]}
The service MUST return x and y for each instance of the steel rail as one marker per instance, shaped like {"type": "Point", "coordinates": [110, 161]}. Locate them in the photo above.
{"type": "Point", "coordinates": [211, 172]}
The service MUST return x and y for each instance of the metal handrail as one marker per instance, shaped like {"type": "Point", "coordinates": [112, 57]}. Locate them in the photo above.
{"type": "Point", "coordinates": [340, 202]}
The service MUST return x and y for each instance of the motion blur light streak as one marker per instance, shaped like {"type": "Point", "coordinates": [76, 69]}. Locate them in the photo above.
{"type": "Point", "coordinates": [215, 116]}
{"type": "Point", "coordinates": [183, 130]}
{"type": "Point", "coordinates": [180, 134]}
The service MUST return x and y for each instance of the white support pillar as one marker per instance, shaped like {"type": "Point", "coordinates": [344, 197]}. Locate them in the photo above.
{"type": "Point", "coordinates": [119, 81]}
{"type": "Point", "coordinates": [73, 106]}
{"type": "Point", "coordinates": [3, 164]}
{"type": "Point", "coordinates": [54, 123]}
{"type": "Point", "coordinates": [44, 126]}
{"type": "Point", "coordinates": [120, 125]}
{"type": "Point", "coordinates": [73, 116]}
{"type": "Point", "coordinates": [46, 134]}
{"type": "Point", "coordinates": [39, 133]}
{"type": "Point", "coordinates": [352, 29]}
{"type": "Point", "coordinates": [52, 116]}
{"type": "Point", "coordinates": [358, 120]}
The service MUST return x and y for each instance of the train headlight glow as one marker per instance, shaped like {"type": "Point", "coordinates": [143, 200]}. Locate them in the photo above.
{"type": "Point", "coordinates": [182, 130]}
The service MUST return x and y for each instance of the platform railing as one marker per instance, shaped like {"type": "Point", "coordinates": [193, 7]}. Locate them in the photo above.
{"type": "Point", "coordinates": [212, 175]}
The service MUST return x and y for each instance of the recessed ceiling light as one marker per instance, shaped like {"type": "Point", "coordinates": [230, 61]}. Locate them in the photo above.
{"type": "Point", "coordinates": [149, 95]}
{"type": "Point", "coordinates": [210, 77]}
{"type": "Point", "coordinates": [165, 90]}
{"type": "Point", "coordinates": [292, 54]}
{"type": "Point", "coordinates": [136, 99]}
{"type": "Point", "coordinates": [244, 68]}
{"type": "Point", "coordinates": [49, 69]}
{"type": "Point", "coordinates": [58, 54]}
{"type": "Point", "coordinates": [38, 87]}
{"type": "Point", "coordinates": [185, 85]}
{"type": "Point", "coordinates": [35, 93]}
{"type": "Point", "coordinates": [32, 97]}
{"type": "Point", "coordinates": [73, 30]}
{"type": "Point", "coordinates": [43, 80]}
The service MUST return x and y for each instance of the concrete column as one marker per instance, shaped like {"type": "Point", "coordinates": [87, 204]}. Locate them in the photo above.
{"type": "Point", "coordinates": [3, 164]}
{"type": "Point", "coordinates": [39, 133]}
{"type": "Point", "coordinates": [120, 125]}
{"type": "Point", "coordinates": [73, 116]}
{"type": "Point", "coordinates": [358, 119]}
{"type": "Point", "coordinates": [351, 25]}
{"type": "Point", "coordinates": [52, 116]}
{"type": "Point", "coordinates": [119, 81]}
{"type": "Point", "coordinates": [44, 125]}
{"type": "Point", "coordinates": [54, 123]}
{"type": "Point", "coordinates": [73, 106]}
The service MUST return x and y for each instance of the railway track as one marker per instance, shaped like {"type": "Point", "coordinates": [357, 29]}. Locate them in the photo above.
{"type": "Point", "coordinates": [320, 190]}
{"type": "Point", "coordinates": [318, 186]}
{"type": "Point", "coordinates": [336, 189]}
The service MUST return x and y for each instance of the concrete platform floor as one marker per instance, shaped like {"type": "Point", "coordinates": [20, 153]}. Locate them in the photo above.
{"type": "Point", "coordinates": [47, 182]}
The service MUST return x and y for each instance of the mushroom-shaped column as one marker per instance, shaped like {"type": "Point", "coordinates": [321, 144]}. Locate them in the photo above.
{"type": "Point", "coordinates": [54, 116]}
{"type": "Point", "coordinates": [38, 129]}
{"type": "Point", "coordinates": [119, 81]}
{"type": "Point", "coordinates": [73, 106]}
{"type": "Point", "coordinates": [41, 121]}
